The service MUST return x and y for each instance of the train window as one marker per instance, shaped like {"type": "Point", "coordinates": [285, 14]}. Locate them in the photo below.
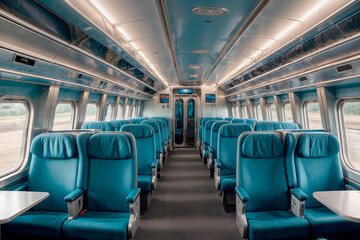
{"type": "Point", "coordinates": [243, 111]}
{"type": "Point", "coordinates": [258, 112]}
{"type": "Point", "coordinates": [109, 112]}
{"type": "Point", "coordinates": [272, 112]}
{"type": "Point", "coordinates": [64, 116]}
{"type": "Point", "coordinates": [14, 123]}
{"type": "Point", "coordinates": [236, 111]}
{"type": "Point", "coordinates": [127, 110]}
{"type": "Point", "coordinates": [312, 115]}
{"type": "Point", "coordinates": [91, 112]}
{"type": "Point", "coordinates": [287, 112]}
{"type": "Point", "coordinates": [349, 112]}
{"type": "Point", "coordinates": [119, 114]}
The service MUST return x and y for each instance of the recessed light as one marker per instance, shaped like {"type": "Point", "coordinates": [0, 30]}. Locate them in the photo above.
{"type": "Point", "coordinates": [210, 11]}
{"type": "Point", "coordinates": [199, 51]}
{"type": "Point", "coordinates": [194, 66]}
{"type": "Point", "coordinates": [193, 75]}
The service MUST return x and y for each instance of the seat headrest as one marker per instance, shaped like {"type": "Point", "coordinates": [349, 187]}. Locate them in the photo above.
{"type": "Point", "coordinates": [289, 125]}
{"type": "Point", "coordinates": [219, 118]}
{"type": "Point", "coordinates": [312, 145]}
{"type": "Point", "coordinates": [138, 130]}
{"type": "Point", "coordinates": [216, 126]}
{"type": "Point", "coordinates": [103, 126]}
{"type": "Point", "coordinates": [119, 123]}
{"type": "Point", "coordinates": [267, 126]}
{"type": "Point", "coordinates": [234, 130]}
{"type": "Point", "coordinates": [238, 120]}
{"type": "Point", "coordinates": [54, 146]}
{"type": "Point", "coordinates": [251, 121]}
{"type": "Point", "coordinates": [109, 146]}
{"type": "Point", "coordinates": [262, 145]}
{"type": "Point", "coordinates": [206, 120]}
{"type": "Point", "coordinates": [209, 124]}
{"type": "Point", "coordinates": [153, 124]}
{"type": "Point", "coordinates": [228, 118]}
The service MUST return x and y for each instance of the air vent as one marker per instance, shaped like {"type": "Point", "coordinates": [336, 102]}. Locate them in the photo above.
{"type": "Point", "coordinates": [24, 60]}
{"type": "Point", "coordinates": [303, 78]}
{"type": "Point", "coordinates": [344, 68]}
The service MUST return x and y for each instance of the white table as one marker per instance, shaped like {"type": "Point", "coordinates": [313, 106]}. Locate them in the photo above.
{"type": "Point", "coordinates": [15, 203]}
{"type": "Point", "coordinates": [345, 203]}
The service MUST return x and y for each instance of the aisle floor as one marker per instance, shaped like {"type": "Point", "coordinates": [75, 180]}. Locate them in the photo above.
{"type": "Point", "coordinates": [186, 204]}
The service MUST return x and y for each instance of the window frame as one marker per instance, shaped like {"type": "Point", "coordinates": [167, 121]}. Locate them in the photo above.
{"type": "Point", "coordinates": [27, 133]}
{"type": "Point", "coordinates": [97, 110]}
{"type": "Point", "coordinates": [284, 112]}
{"type": "Point", "coordinates": [73, 114]}
{"type": "Point", "coordinates": [342, 132]}
{"type": "Point", "coordinates": [305, 116]}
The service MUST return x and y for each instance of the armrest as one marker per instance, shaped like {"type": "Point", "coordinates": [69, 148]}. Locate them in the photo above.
{"type": "Point", "coordinates": [299, 194]}
{"type": "Point", "coordinates": [211, 149]}
{"type": "Point", "coordinates": [155, 163]}
{"type": "Point", "coordinates": [74, 195]}
{"type": "Point", "coordinates": [133, 195]}
{"type": "Point", "coordinates": [217, 163]}
{"type": "Point", "coordinates": [240, 192]}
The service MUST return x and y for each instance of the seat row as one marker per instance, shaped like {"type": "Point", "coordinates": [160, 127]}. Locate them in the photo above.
{"type": "Point", "coordinates": [92, 180]}
{"type": "Point", "coordinates": [276, 176]}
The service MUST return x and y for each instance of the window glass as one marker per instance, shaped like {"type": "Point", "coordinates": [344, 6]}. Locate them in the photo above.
{"type": "Point", "coordinates": [287, 113]}
{"type": "Point", "coordinates": [312, 111]}
{"type": "Point", "coordinates": [127, 111]}
{"type": "Point", "coordinates": [64, 116]}
{"type": "Point", "coordinates": [109, 112]}
{"type": "Point", "coordinates": [244, 112]}
{"type": "Point", "coordinates": [119, 112]}
{"type": "Point", "coordinates": [258, 112]}
{"type": "Point", "coordinates": [272, 112]}
{"type": "Point", "coordinates": [351, 115]}
{"type": "Point", "coordinates": [13, 132]}
{"type": "Point", "coordinates": [236, 111]}
{"type": "Point", "coordinates": [91, 112]}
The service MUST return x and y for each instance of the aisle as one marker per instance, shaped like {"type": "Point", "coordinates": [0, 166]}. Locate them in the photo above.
{"type": "Point", "coordinates": [186, 205]}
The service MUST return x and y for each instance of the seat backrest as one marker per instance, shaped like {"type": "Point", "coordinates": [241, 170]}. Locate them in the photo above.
{"type": "Point", "coordinates": [54, 168]}
{"type": "Point", "coordinates": [313, 163]}
{"type": "Point", "coordinates": [228, 118]}
{"type": "Point", "coordinates": [200, 129]}
{"type": "Point", "coordinates": [238, 120]}
{"type": "Point", "coordinates": [267, 126]}
{"type": "Point", "coordinates": [157, 134]}
{"type": "Point", "coordinates": [203, 127]}
{"type": "Point", "coordinates": [203, 121]}
{"type": "Point", "coordinates": [251, 122]}
{"type": "Point", "coordinates": [207, 132]}
{"type": "Point", "coordinates": [228, 137]}
{"type": "Point", "coordinates": [103, 126]}
{"type": "Point", "coordinates": [137, 120]}
{"type": "Point", "coordinates": [112, 171]}
{"type": "Point", "coordinates": [119, 123]}
{"type": "Point", "coordinates": [145, 142]}
{"type": "Point", "coordinates": [162, 130]}
{"type": "Point", "coordinates": [167, 124]}
{"type": "Point", "coordinates": [215, 135]}
{"type": "Point", "coordinates": [261, 171]}
{"type": "Point", "coordinates": [289, 125]}
{"type": "Point", "coordinates": [219, 118]}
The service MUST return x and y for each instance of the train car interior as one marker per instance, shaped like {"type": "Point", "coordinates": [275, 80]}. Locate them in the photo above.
{"type": "Point", "coordinates": [180, 119]}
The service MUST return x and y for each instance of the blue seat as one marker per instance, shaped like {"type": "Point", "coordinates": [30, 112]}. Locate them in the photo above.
{"type": "Point", "coordinates": [119, 123]}
{"type": "Point", "coordinates": [202, 123]}
{"type": "Point", "coordinates": [272, 126]}
{"type": "Point", "coordinates": [137, 120]}
{"type": "Point", "coordinates": [213, 148]}
{"type": "Point", "coordinates": [53, 169]}
{"type": "Point", "coordinates": [158, 147]}
{"type": "Point", "coordinates": [228, 119]}
{"type": "Point", "coordinates": [238, 120]}
{"type": "Point", "coordinates": [219, 118]}
{"type": "Point", "coordinates": [164, 141]}
{"type": "Point", "coordinates": [202, 128]}
{"type": "Point", "coordinates": [225, 164]}
{"type": "Point", "coordinates": [262, 192]}
{"type": "Point", "coordinates": [251, 122]}
{"type": "Point", "coordinates": [314, 165]}
{"type": "Point", "coordinates": [147, 163]}
{"type": "Point", "coordinates": [167, 124]}
{"type": "Point", "coordinates": [199, 138]}
{"type": "Point", "coordinates": [103, 126]}
{"type": "Point", "coordinates": [206, 140]}
{"type": "Point", "coordinates": [110, 184]}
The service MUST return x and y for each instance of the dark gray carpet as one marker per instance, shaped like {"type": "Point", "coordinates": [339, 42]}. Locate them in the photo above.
{"type": "Point", "coordinates": [186, 204]}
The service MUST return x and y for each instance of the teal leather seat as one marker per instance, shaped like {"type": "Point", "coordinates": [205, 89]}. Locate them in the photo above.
{"type": "Point", "coordinates": [228, 119]}
{"type": "Point", "coordinates": [238, 120]}
{"type": "Point", "coordinates": [110, 185]}
{"type": "Point", "coordinates": [206, 140]}
{"type": "Point", "coordinates": [219, 118]}
{"type": "Point", "coordinates": [137, 120]}
{"type": "Point", "coordinates": [163, 134]}
{"type": "Point", "coordinates": [147, 163]}
{"type": "Point", "coordinates": [158, 146]}
{"type": "Point", "coordinates": [167, 124]}
{"type": "Point", "coordinates": [272, 126]}
{"type": "Point", "coordinates": [202, 128]}
{"type": "Point", "coordinates": [225, 164]}
{"type": "Point", "coordinates": [251, 122]}
{"type": "Point", "coordinates": [262, 192]}
{"type": "Point", "coordinates": [314, 165]}
{"type": "Point", "coordinates": [53, 169]}
{"type": "Point", "coordinates": [119, 123]}
{"type": "Point", "coordinates": [103, 126]}
{"type": "Point", "coordinates": [213, 148]}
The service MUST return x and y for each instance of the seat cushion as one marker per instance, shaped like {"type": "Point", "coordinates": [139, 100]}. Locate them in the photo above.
{"type": "Point", "coordinates": [276, 224]}
{"type": "Point", "coordinates": [228, 182]}
{"type": "Point", "coordinates": [98, 225]}
{"type": "Point", "coordinates": [144, 182]}
{"type": "Point", "coordinates": [323, 221]}
{"type": "Point", "coordinates": [37, 224]}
